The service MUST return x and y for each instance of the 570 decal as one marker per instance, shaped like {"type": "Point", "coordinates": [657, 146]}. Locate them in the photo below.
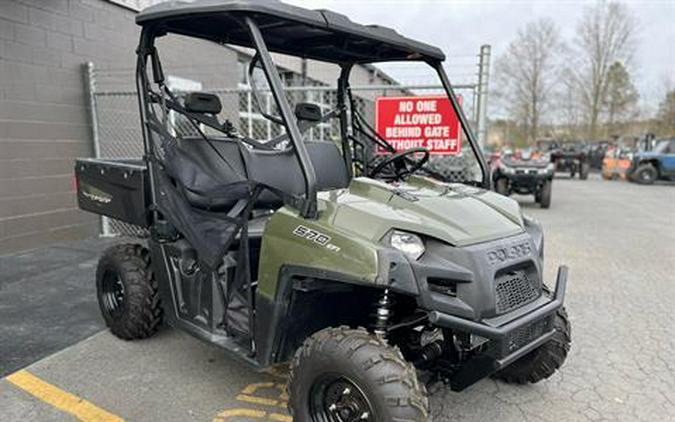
{"type": "Point", "coordinates": [316, 237]}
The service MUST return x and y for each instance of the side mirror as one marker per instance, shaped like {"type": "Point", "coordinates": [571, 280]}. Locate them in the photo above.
{"type": "Point", "coordinates": [308, 111]}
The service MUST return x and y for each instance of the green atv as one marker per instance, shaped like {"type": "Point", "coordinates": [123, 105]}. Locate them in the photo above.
{"type": "Point", "coordinates": [373, 278]}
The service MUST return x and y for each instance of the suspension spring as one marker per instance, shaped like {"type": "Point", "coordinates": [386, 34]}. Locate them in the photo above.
{"type": "Point", "coordinates": [382, 314]}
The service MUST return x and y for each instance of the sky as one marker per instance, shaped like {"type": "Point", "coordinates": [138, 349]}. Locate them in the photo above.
{"type": "Point", "coordinates": [459, 28]}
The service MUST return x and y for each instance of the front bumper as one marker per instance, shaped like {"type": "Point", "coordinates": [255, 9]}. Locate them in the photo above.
{"type": "Point", "coordinates": [567, 164]}
{"type": "Point", "coordinates": [527, 181]}
{"type": "Point", "coordinates": [503, 351]}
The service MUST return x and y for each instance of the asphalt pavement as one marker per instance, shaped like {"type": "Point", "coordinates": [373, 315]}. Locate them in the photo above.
{"type": "Point", "coordinates": [617, 238]}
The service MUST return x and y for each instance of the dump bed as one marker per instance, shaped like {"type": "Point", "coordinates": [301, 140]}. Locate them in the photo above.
{"type": "Point", "coordinates": [116, 188]}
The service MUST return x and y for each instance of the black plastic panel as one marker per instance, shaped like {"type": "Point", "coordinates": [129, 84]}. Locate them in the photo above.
{"type": "Point", "coordinates": [114, 188]}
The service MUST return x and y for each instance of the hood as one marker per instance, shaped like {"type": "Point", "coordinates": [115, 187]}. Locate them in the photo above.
{"type": "Point", "coordinates": [533, 162]}
{"type": "Point", "coordinates": [647, 154]}
{"type": "Point", "coordinates": [454, 213]}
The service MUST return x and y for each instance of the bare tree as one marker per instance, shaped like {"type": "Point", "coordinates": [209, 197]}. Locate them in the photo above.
{"type": "Point", "coordinates": [605, 36]}
{"type": "Point", "coordinates": [527, 74]}
{"type": "Point", "coordinates": [567, 107]}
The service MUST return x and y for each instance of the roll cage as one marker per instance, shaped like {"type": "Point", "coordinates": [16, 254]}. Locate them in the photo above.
{"type": "Point", "coordinates": [280, 28]}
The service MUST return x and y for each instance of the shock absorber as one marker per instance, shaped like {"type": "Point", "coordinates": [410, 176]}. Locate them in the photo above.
{"type": "Point", "coordinates": [382, 314]}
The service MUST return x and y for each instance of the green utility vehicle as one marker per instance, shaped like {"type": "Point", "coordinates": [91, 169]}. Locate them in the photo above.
{"type": "Point", "coordinates": [372, 280]}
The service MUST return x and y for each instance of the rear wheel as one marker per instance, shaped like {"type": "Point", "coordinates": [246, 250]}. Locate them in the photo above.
{"type": "Point", "coordinates": [645, 174]}
{"type": "Point", "coordinates": [585, 170]}
{"type": "Point", "coordinates": [541, 363]}
{"type": "Point", "coordinates": [127, 292]}
{"type": "Point", "coordinates": [502, 186]}
{"type": "Point", "coordinates": [342, 374]}
{"type": "Point", "coordinates": [545, 194]}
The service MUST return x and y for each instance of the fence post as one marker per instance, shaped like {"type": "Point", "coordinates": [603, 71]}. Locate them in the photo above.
{"type": "Point", "coordinates": [483, 79]}
{"type": "Point", "coordinates": [90, 80]}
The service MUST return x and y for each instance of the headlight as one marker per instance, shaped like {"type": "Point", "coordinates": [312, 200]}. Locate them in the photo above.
{"type": "Point", "coordinates": [410, 244]}
{"type": "Point", "coordinates": [545, 170]}
{"type": "Point", "coordinates": [549, 169]}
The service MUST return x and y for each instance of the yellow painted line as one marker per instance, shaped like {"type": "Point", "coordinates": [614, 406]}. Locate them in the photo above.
{"type": "Point", "coordinates": [262, 401]}
{"type": "Point", "coordinates": [231, 414]}
{"type": "Point", "coordinates": [257, 400]}
{"type": "Point", "coordinates": [238, 413]}
{"type": "Point", "coordinates": [280, 418]}
{"type": "Point", "coordinates": [252, 388]}
{"type": "Point", "coordinates": [63, 400]}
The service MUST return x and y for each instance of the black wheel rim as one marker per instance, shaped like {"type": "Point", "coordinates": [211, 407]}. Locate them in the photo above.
{"type": "Point", "coordinates": [335, 398]}
{"type": "Point", "coordinates": [112, 294]}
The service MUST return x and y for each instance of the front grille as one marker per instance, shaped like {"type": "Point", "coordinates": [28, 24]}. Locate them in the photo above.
{"type": "Point", "coordinates": [522, 336]}
{"type": "Point", "coordinates": [513, 290]}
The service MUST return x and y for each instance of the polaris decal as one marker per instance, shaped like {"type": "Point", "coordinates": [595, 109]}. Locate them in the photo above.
{"type": "Point", "coordinates": [316, 237]}
{"type": "Point", "coordinates": [509, 253]}
{"type": "Point", "coordinates": [94, 194]}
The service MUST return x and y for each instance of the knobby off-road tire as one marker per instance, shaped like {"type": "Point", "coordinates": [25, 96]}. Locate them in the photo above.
{"type": "Point", "coordinates": [501, 186]}
{"type": "Point", "coordinates": [585, 170]}
{"type": "Point", "coordinates": [541, 363]}
{"type": "Point", "coordinates": [645, 174]}
{"type": "Point", "coordinates": [127, 292]}
{"type": "Point", "coordinates": [545, 194]}
{"type": "Point", "coordinates": [376, 374]}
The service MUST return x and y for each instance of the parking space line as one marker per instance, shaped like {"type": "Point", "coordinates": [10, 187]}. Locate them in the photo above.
{"type": "Point", "coordinates": [261, 400]}
{"type": "Point", "coordinates": [252, 388]}
{"type": "Point", "coordinates": [279, 417]}
{"type": "Point", "coordinates": [232, 414]}
{"type": "Point", "coordinates": [63, 400]}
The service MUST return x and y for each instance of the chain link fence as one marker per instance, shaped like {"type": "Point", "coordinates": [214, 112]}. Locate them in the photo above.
{"type": "Point", "coordinates": [117, 127]}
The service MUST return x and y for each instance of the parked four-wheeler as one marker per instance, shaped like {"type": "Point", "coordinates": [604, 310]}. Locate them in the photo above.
{"type": "Point", "coordinates": [277, 252]}
{"type": "Point", "coordinates": [568, 157]}
{"type": "Point", "coordinates": [524, 173]}
{"type": "Point", "coordinates": [648, 166]}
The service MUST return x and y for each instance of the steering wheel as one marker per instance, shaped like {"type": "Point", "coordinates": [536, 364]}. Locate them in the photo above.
{"type": "Point", "coordinates": [403, 165]}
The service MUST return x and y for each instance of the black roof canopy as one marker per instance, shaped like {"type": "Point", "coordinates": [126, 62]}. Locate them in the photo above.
{"type": "Point", "coordinates": [314, 34]}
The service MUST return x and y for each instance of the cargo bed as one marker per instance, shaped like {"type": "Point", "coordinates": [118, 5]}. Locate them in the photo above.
{"type": "Point", "coordinates": [115, 187]}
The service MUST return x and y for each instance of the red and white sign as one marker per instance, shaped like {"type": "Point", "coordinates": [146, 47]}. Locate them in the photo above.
{"type": "Point", "coordinates": [412, 122]}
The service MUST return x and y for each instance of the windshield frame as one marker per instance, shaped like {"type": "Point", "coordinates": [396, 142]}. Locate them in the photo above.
{"type": "Point", "coordinates": [308, 207]}
{"type": "Point", "coordinates": [437, 67]}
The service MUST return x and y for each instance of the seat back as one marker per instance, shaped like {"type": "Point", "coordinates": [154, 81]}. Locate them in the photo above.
{"type": "Point", "coordinates": [209, 182]}
{"type": "Point", "coordinates": [329, 165]}
{"type": "Point", "coordinates": [281, 170]}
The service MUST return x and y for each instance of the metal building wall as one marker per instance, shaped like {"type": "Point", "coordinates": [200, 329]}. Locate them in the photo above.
{"type": "Point", "coordinates": [44, 121]}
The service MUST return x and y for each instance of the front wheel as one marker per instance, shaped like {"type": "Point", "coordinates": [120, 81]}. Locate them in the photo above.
{"type": "Point", "coordinates": [545, 194]}
{"type": "Point", "coordinates": [541, 363]}
{"type": "Point", "coordinates": [342, 374]}
{"type": "Point", "coordinates": [585, 170]}
{"type": "Point", "coordinates": [645, 174]}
